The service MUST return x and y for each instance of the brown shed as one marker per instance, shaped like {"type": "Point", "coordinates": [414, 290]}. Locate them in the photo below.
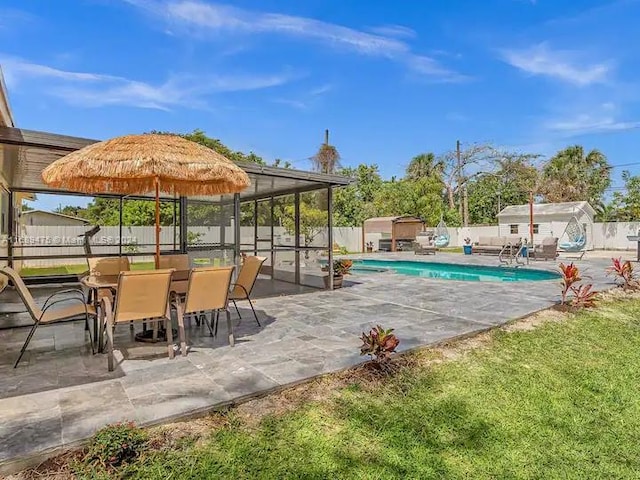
{"type": "Point", "coordinates": [393, 229]}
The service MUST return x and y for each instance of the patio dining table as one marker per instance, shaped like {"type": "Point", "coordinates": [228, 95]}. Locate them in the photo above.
{"type": "Point", "coordinates": [96, 283]}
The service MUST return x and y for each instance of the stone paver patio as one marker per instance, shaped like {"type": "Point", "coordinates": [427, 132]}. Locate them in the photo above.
{"type": "Point", "coordinates": [61, 394]}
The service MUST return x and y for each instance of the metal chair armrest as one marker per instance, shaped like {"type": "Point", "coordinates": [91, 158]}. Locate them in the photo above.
{"type": "Point", "coordinates": [75, 291]}
{"type": "Point", "coordinates": [62, 300]}
{"type": "Point", "coordinates": [242, 287]}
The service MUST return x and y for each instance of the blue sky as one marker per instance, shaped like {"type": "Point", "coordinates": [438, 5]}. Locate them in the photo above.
{"type": "Point", "coordinates": [389, 79]}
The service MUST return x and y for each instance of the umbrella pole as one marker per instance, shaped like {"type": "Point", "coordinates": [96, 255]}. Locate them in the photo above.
{"type": "Point", "coordinates": [157, 257]}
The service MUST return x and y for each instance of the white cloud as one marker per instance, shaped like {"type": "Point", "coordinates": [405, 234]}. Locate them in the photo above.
{"type": "Point", "coordinates": [96, 90]}
{"type": "Point", "coordinates": [586, 123]}
{"type": "Point", "coordinates": [215, 20]}
{"type": "Point", "coordinates": [561, 64]}
{"type": "Point", "coordinates": [398, 31]}
{"type": "Point", "coordinates": [430, 67]}
{"type": "Point", "coordinates": [218, 18]}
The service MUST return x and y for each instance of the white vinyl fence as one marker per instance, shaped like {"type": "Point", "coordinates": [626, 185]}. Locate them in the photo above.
{"type": "Point", "coordinates": [38, 241]}
{"type": "Point", "coordinates": [67, 240]}
{"type": "Point", "coordinates": [600, 236]}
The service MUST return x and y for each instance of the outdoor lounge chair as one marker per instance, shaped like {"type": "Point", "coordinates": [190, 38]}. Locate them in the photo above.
{"type": "Point", "coordinates": [207, 293]}
{"type": "Point", "coordinates": [45, 316]}
{"type": "Point", "coordinates": [424, 245]}
{"type": "Point", "coordinates": [245, 282]}
{"type": "Point", "coordinates": [547, 250]}
{"type": "Point", "coordinates": [142, 296]}
{"type": "Point", "coordinates": [494, 245]}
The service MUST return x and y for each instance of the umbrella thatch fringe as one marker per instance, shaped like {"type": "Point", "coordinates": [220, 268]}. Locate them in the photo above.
{"type": "Point", "coordinates": [131, 164]}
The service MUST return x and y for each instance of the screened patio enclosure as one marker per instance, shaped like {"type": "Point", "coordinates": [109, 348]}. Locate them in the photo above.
{"type": "Point", "coordinates": [285, 215]}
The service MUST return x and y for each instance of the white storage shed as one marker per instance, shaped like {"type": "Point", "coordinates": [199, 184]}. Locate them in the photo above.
{"type": "Point", "coordinates": [549, 220]}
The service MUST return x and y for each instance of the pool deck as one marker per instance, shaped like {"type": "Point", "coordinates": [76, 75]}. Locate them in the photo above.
{"type": "Point", "coordinates": [61, 394]}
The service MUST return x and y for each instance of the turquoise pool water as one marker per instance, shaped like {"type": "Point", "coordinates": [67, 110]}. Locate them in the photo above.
{"type": "Point", "coordinates": [452, 271]}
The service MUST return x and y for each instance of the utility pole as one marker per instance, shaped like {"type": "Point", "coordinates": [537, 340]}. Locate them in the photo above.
{"type": "Point", "coordinates": [326, 136]}
{"type": "Point", "coordinates": [531, 217]}
{"type": "Point", "coordinates": [464, 201]}
{"type": "Point", "coordinates": [459, 169]}
{"type": "Point", "coordinates": [465, 206]}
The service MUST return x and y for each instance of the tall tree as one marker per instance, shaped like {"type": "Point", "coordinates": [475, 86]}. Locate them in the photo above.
{"type": "Point", "coordinates": [513, 178]}
{"type": "Point", "coordinates": [571, 175]}
{"type": "Point", "coordinates": [424, 165]}
{"type": "Point", "coordinates": [421, 198]}
{"type": "Point", "coordinates": [327, 159]}
{"type": "Point", "coordinates": [353, 204]}
{"type": "Point", "coordinates": [624, 206]}
{"type": "Point", "coordinates": [455, 165]}
{"type": "Point", "coordinates": [199, 136]}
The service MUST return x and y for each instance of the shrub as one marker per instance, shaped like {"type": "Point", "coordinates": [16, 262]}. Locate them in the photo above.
{"type": "Point", "coordinates": [342, 266]}
{"type": "Point", "coordinates": [570, 276]}
{"type": "Point", "coordinates": [623, 271]}
{"type": "Point", "coordinates": [379, 344]}
{"type": "Point", "coordinates": [583, 296]}
{"type": "Point", "coordinates": [115, 445]}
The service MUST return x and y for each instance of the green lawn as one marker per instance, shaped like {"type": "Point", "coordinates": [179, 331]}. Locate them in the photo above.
{"type": "Point", "coordinates": [74, 269]}
{"type": "Point", "coordinates": [560, 401]}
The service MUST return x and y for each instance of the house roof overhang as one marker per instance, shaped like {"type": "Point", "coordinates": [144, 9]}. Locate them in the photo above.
{"type": "Point", "coordinates": [25, 153]}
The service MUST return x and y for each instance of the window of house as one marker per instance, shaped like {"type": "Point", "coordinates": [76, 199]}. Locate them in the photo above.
{"type": "Point", "coordinates": [513, 229]}
{"type": "Point", "coordinates": [536, 228]}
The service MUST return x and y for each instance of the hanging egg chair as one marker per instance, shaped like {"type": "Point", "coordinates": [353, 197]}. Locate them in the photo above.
{"type": "Point", "coordinates": [442, 235]}
{"type": "Point", "coordinates": [574, 236]}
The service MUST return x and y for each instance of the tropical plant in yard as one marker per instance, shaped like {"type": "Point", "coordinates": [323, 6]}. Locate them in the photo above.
{"type": "Point", "coordinates": [342, 266]}
{"type": "Point", "coordinates": [623, 271]}
{"type": "Point", "coordinates": [570, 276]}
{"type": "Point", "coordinates": [583, 296]}
{"type": "Point", "coordinates": [379, 344]}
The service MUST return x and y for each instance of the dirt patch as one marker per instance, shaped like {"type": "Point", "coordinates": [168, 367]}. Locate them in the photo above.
{"type": "Point", "coordinates": [56, 468]}
{"type": "Point", "coordinates": [533, 321]}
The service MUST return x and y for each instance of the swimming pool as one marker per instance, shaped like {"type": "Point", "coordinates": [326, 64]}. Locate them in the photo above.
{"type": "Point", "coordinates": [453, 271]}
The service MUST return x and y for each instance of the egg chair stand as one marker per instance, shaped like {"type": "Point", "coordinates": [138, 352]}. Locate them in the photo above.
{"type": "Point", "coordinates": [442, 235]}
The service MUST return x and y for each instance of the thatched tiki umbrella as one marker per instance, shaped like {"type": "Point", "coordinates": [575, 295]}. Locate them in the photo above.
{"type": "Point", "coordinates": [137, 164]}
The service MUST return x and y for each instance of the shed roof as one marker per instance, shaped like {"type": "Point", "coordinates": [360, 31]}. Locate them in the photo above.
{"type": "Point", "coordinates": [392, 219]}
{"type": "Point", "coordinates": [541, 209]}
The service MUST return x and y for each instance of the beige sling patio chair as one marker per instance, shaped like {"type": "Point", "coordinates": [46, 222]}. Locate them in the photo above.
{"type": "Point", "coordinates": [177, 262]}
{"type": "Point", "coordinates": [208, 293]}
{"type": "Point", "coordinates": [45, 316]}
{"type": "Point", "coordinates": [141, 296]}
{"type": "Point", "coordinates": [111, 266]}
{"type": "Point", "coordinates": [108, 265]}
{"type": "Point", "coordinates": [245, 282]}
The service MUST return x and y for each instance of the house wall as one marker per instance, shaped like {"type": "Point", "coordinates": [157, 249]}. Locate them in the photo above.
{"type": "Point", "coordinates": [48, 220]}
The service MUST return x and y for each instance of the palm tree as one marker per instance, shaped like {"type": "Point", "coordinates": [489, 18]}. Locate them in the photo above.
{"type": "Point", "coordinates": [572, 176]}
{"type": "Point", "coordinates": [327, 160]}
{"type": "Point", "coordinates": [424, 165]}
